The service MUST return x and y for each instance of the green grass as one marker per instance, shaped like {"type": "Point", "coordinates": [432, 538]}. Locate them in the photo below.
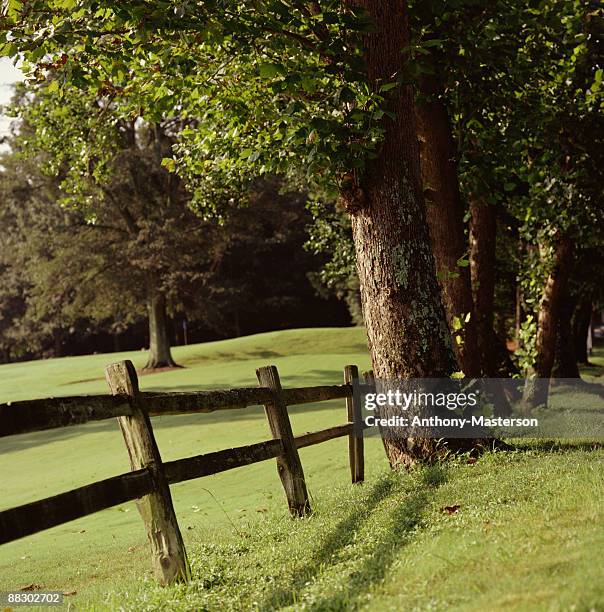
{"type": "Point", "coordinates": [528, 533]}
{"type": "Point", "coordinates": [109, 548]}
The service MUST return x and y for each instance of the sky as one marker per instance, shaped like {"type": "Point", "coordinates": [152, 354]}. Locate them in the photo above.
{"type": "Point", "coordinates": [8, 76]}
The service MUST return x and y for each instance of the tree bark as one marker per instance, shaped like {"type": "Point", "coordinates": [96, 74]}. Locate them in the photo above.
{"type": "Point", "coordinates": [547, 324]}
{"type": "Point", "coordinates": [404, 317]}
{"type": "Point", "coordinates": [565, 363]}
{"type": "Point", "coordinates": [581, 327]}
{"type": "Point", "coordinates": [160, 355]}
{"type": "Point", "coordinates": [445, 214]}
{"type": "Point", "coordinates": [494, 357]}
{"type": "Point", "coordinates": [58, 344]}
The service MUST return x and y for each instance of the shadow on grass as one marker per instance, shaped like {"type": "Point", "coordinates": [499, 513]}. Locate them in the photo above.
{"type": "Point", "coordinates": [401, 524]}
{"type": "Point", "coordinates": [592, 369]}
{"type": "Point", "coordinates": [555, 446]}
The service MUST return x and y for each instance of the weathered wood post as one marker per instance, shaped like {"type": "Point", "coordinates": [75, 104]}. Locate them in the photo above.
{"type": "Point", "coordinates": [355, 416]}
{"type": "Point", "coordinates": [169, 557]}
{"type": "Point", "coordinates": [289, 465]}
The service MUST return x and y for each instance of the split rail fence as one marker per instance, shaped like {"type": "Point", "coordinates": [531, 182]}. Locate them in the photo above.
{"type": "Point", "coordinates": [150, 479]}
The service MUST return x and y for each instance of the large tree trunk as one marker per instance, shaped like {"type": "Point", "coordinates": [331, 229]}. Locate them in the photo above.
{"type": "Point", "coordinates": [494, 356]}
{"type": "Point", "coordinates": [536, 394]}
{"type": "Point", "coordinates": [445, 214]}
{"type": "Point", "coordinates": [160, 355]}
{"type": "Point", "coordinates": [405, 321]}
{"type": "Point", "coordinates": [581, 327]}
{"type": "Point", "coordinates": [565, 363]}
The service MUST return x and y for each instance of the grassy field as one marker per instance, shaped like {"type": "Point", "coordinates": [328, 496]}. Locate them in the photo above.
{"type": "Point", "coordinates": [528, 533]}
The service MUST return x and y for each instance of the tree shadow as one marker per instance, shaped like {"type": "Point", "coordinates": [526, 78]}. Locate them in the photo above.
{"type": "Point", "coordinates": [402, 522]}
{"type": "Point", "coordinates": [555, 446]}
{"type": "Point", "coordinates": [592, 369]}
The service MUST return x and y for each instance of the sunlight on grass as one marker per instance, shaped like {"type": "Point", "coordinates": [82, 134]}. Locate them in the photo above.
{"type": "Point", "coordinates": [527, 534]}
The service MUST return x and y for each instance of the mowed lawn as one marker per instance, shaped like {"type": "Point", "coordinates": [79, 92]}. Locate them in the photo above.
{"type": "Point", "coordinates": [523, 530]}
{"type": "Point", "coordinates": [109, 548]}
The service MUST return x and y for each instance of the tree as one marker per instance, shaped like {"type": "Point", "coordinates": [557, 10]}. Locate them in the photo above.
{"type": "Point", "coordinates": [71, 266]}
{"type": "Point", "coordinates": [445, 215]}
{"type": "Point", "coordinates": [333, 100]}
{"type": "Point", "coordinates": [515, 88]}
{"type": "Point", "coordinates": [127, 202]}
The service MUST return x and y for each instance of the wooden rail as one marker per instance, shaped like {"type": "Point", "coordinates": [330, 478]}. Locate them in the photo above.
{"type": "Point", "coordinates": [52, 511]}
{"type": "Point", "coordinates": [149, 480]}
{"type": "Point", "coordinates": [53, 413]}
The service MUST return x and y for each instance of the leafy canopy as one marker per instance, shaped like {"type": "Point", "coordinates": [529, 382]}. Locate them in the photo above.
{"type": "Point", "coordinates": [270, 87]}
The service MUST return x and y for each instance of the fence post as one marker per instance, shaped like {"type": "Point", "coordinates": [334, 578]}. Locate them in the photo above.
{"type": "Point", "coordinates": [289, 465]}
{"type": "Point", "coordinates": [355, 415]}
{"type": "Point", "coordinates": [169, 557]}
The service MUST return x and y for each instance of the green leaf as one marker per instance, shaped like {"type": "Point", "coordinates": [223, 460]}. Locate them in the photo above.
{"type": "Point", "coordinates": [270, 70]}
{"type": "Point", "coordinates": [434, 42]}
{"type": "Point", "coordinates": [169, 164]}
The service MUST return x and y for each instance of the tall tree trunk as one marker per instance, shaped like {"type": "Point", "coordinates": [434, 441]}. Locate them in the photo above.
{"type": "Point", "coordinates": [581, 327]}
{"type": "Point", "coordinates": [160, 355]}
{"type": "Point", "coordinates": [494, 356]}
{"type": "Point", "coordinates": [445, 214]}
{"type": "Point", "coordinates": [405, 321]}
{"type": "Point", "coordinates": [565, 362]}
{"type": "Point", "coordinates": [547, 324]}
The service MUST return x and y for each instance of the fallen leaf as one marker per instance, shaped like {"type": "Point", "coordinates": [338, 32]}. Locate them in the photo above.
{"type": "Point", "coordinates": [451, 509]}
{"type": "Point", "coordinates": [30, 587]}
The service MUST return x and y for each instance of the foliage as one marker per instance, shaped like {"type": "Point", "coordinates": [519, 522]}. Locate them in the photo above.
{"type": "Point", "coordinates": [277, 89]}
{"type": "Point", "coordinates": [330, 235]}
{"type": "Point", "coordinates": [280, 88]}
{"type": "Point", "coordinates": [526, 353]}
{"type": "Point", "coordinates": [107, 224]}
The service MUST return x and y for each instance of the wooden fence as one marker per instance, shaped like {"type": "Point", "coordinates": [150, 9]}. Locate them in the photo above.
{"type": "Point", "coordinates": [150, 479]}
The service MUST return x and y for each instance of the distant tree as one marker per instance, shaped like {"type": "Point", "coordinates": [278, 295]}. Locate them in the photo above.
{"type": "Point", "coordinates": [97, 249]}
